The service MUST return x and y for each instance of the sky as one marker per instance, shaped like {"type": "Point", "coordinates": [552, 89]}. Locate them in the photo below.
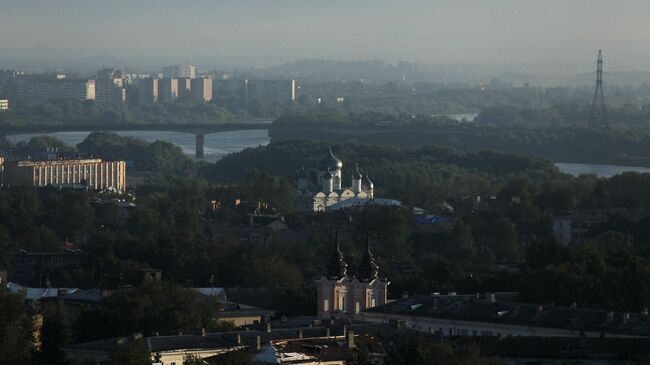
{"type": "Point", "coordinates": [538, 33]}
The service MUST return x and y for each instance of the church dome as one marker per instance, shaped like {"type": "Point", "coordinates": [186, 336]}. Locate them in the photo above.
{"type": "Point", "coordinates": [331, 162]}
{"type": "Point", "coordinates": [357, 175]}
{"type": "Point", "coordinates": [369, 184]}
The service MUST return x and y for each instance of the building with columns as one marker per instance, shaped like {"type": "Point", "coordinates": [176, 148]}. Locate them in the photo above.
{"type": "Point", "coordinates": [93, 173]}
{"type": "Point", "coordinates": [340, 294]}
{"type": "Point", "coordinates": [329, 189]}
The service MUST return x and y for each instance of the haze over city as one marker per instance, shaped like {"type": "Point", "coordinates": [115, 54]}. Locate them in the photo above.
{"type": "Point", "coordinates": [529, 35]}
{"type": "Point", "coordinates": [301, 182]}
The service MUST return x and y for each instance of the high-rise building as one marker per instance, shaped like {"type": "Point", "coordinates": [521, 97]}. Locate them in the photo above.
{"type": "Point", "coordinates": [110, 86]}
{"type": "Point", "coordinates": [148, 91]}
{"type": "Point", "coordinates": [179, 71]}
{"type": "Point", "coordinates": [93, 173]}
{"type": "Point", "coordinates": [167, 90]}
{"type": "Point", "coordinates": [201, 90]}
{"type": "Point", "coordinates": [184, 87]}
{"type": "Point", "coordinates": [36, 90]}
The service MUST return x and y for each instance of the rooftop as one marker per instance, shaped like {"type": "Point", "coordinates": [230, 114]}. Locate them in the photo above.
{"type": "Point", "coordinates": [472, 308]}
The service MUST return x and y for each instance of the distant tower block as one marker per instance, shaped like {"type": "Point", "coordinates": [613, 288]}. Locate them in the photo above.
{"type": "Point", "coordinates": [200, 140]}
{"type": "Point", "coordinates": [598, 113]}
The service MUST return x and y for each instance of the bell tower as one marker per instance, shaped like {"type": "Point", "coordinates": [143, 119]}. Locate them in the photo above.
{"type": "Point", "coordinates": [339, 294]}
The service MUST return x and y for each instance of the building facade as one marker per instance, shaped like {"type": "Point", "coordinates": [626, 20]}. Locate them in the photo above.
{"type": "Point", "coordinates": [35, 91]}
{"type": "Point", "coordinates": [167, 90]}
{"type": "Point", "coordinates": [340, 294]}
{"type": "Point", "coordinates": [201, 90]}
{"type": "Point", "coordinates": [4, 105]}
{"type": "Point", "coordinates": [148, 91]}
{"type": "Point", "coordinates": [179, 71]}
{"type": "Point", "coordinates": [110, 86]}
{"type": "Point", "coordinates": [329, 189]}
{"type": "Point", "coordinates": [93, 173]}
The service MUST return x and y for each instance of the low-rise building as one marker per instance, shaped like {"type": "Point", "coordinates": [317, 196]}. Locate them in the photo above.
{"type": "Point", "coordinates": [35, 268]}
{"type": "Point", "coordinates": [472, 316]}
{"type": "Point", "coordinates": [89, 173]}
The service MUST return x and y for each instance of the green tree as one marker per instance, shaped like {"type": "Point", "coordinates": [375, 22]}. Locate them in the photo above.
{"type": "Point", "coordinates": [16, 336]}
{"type": "Point", "coordinates": [55, 333]}
{"type": "Point", "coordinates": [131, 353]}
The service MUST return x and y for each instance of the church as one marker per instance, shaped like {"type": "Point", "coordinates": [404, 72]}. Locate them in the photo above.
{"type": "Point", "coordinates": [340, 294]}
{"type": "Point", "coordinates": [329, 190]}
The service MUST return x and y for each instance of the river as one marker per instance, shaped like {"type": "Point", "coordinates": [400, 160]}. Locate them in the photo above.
{"type": "Point", "coordinates": [216, 145]}
{"type": "Point", "coordinates": [220, 144]}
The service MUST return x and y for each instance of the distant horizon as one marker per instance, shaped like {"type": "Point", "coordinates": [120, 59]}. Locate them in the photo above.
{"type": "Point", "coordinates": [534, 35]}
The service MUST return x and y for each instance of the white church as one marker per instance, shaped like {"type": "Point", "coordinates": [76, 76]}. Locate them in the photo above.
{"type": "Point", "coordinates": [329, 193]}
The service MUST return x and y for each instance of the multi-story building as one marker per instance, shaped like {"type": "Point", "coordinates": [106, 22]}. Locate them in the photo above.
{"type": "Point", "coordinates": [110, 86]}
{"type": "Point", "coordinates": [184, 88]}
{"type": "Point", "coordinates": [167, 90]}
{"type": "Point", "coordinates": [179, 71]}
{"type": "Point", "coordinates": [92, 173]}
{"type": "Point", "coordinates": [34, 268]}
{"type": "Point", "coordinates": [4, 105]}
{"type": "Point", "coordinates": [201, 90]}
{"type": "Point", "coordinates": [7, 77]}
{"type": "Point", "coordinates": [148, 91]}
{"type": "Point", "coordinates": [37, 90]}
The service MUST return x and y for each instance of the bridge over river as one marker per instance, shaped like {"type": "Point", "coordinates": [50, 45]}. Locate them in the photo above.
{"type": "Point", "coordinates": [198, 129]}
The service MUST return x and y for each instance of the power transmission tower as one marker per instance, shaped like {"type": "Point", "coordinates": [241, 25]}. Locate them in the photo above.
{"type": "Point", "coordinates": [598, 113]}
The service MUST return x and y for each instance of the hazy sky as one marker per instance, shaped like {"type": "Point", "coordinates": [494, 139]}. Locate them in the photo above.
{"type": "Point", "coordinates": [539, 32]}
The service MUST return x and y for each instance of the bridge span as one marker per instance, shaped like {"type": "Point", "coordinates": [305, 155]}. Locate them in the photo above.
{"type": "Point", "coordinates": [199, 129]}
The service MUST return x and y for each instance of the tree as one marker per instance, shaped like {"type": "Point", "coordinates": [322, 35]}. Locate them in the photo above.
{"type": "Point", "coordinates": [54, 333]}
{"type": "Point", "coordinates": [131, 353]}
{"type": "Point", "coordinates": [507, 247]}
{"type": "Point", "coordinates": [16, 336]}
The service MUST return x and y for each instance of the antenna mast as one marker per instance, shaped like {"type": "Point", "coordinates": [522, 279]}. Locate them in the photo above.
{"type": "Point", "coordinates": [598, 113]}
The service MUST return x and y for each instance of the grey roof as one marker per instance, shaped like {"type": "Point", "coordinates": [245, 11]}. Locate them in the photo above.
{"type": "Point", "coordinates": [548, 316]}
{"type": "Point", "coordinates": [565, 347]}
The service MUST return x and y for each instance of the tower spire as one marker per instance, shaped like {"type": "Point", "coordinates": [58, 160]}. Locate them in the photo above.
{"type": "Point", "coordinates": [369, 269]}
{"type": "Point", "coordinates": [336, 268]}
{"type": "Point", "coordinates": [598, 112]}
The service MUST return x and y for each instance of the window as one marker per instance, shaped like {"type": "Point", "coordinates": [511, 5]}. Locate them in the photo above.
{"type": "Point", "coordinates": [342, 303]}
{"type": "Point", "coordinates": [326, 305]}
